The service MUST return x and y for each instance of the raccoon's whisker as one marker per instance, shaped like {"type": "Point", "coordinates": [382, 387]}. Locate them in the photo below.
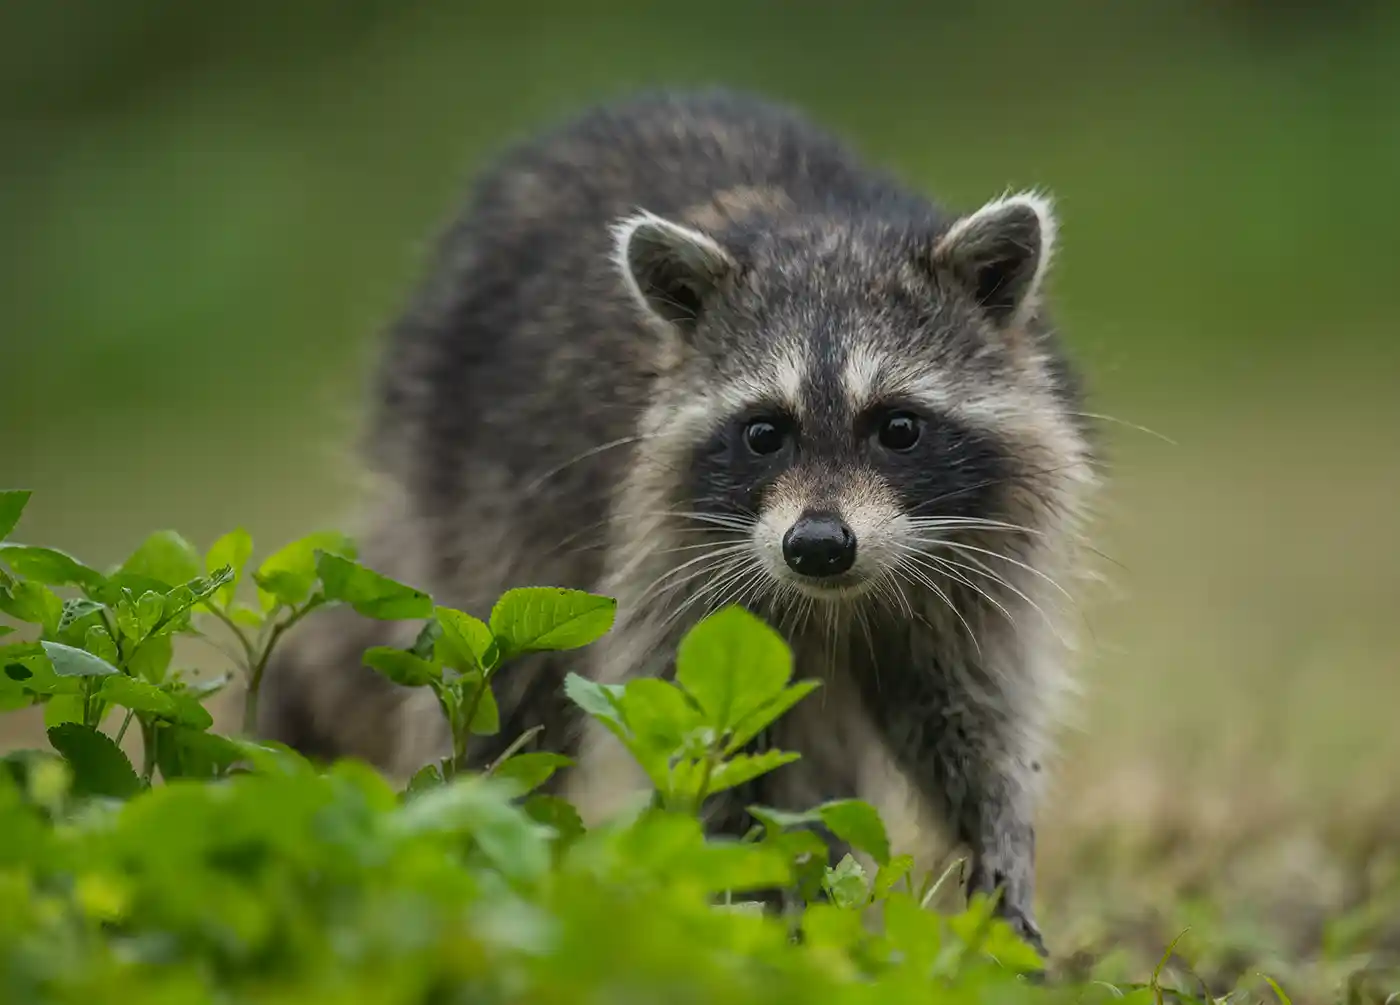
{"type": "Point", "coordinates": [963, 547]}
{"type": "Point", "coordinates": [734, 568]}
{"type": "Point", "coordinates": [1124, 422]}
{"type": "Point", "coordinates": [971, 523]}
{"type": "Point", "coordinates": [917, 577]}
{"type": "Point", "coordinates": [981, 569]}
{"type": "Point", "coordinates": [943, 567]}
{"type": "Point", "coordinates": [591, 452]}
{"type": "Point", "coordinates": [713, 557]}
{"type": "Point", "coordinates": [734, 543]}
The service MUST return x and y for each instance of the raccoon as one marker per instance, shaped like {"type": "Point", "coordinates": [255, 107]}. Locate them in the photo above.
{"type": "Point", "coordinates": [688, 350]}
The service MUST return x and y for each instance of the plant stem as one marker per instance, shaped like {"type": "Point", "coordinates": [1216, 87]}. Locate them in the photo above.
{"type": "Point", "coordinates": [148, 744]}
{"type": "Point", "coordinates": [121, 733]}
{"type": "Point", "coordinates": [515, 745]}
{"type": "Point", "coordinates": [250, 698]}
{"type": "Point", "coordinates": [248, 651]}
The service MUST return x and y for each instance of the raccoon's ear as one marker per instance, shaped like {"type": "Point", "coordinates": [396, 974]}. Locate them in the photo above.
{"type": "Point", "coordinates": [1001, 253]}
{"type": "Point", "coordinates": [669, 269]}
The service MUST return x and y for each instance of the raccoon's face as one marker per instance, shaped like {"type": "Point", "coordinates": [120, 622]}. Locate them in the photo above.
{"type": "Point", "coordinates": [855, 404]}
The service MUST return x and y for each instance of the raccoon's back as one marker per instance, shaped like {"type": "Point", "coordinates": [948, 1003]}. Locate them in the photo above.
{"type": "Point", "coordinates": [520, 353]}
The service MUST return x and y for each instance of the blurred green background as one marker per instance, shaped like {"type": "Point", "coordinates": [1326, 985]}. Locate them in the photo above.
{"type": "Point", "coordinates": [207, 212]}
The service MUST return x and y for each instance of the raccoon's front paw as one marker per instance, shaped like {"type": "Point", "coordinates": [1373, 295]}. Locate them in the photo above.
{"type": "Point", "coordinates": [1013, 906]}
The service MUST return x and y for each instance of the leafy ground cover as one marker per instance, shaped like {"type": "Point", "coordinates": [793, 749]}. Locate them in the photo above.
{"type": "Point", "coordinates": [216, 867]}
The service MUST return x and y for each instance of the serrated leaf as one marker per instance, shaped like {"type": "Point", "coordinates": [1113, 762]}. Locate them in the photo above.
{"type": "Point", "coordinates": [859, 825]}
{"type": "Point", "coordinates": [69, 662]}
{"type": "Point", "coordinates": [33, 603]}
{"type": "Point", "coordinates": [846, 884]}
{"type": "Point", "coordinates": [50, 566]}
{"type": "Point", "coordinates": [165, 557]}
{"type": "Point", "coordinates": [732, 664]}
{"type": "Point", "coordinates": [746, 767]}
{"type": "Point", "coordinates": [98, 764]}
{"type": "Point", "coordinates": [287, 575]}
{"type": "Point", "coordinates": [368, 592]}
{"type": "Point", "coordinates": [545, 619]}
{"type": "Point", "coordinates": [531, 770]}
{"type": "Point", "coordinates": [12, 503]}
{"type": "Point", "coordinates": [464, 642]}
{"type": "Point", "coordinates": [232, 550]}
{"type": "Point", "coordinates": [63, 708]}
{"type": "Point", "coordinates": [401, 666]}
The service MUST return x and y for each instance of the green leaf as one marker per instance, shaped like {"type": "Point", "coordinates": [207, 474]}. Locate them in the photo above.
{"type": "Point", "coordinates": [50, 566]}
{"type": "Point", "coordinates": [190, 753]}
{"type": "Point", "coordinates": [100, 644]}
{"type": "Point", "coordinates": [859, 825]}
{"type": "Point", "coordinates": [427, 777]}
{"type": "Point", "coordinates": [768, 713]}
{"type": "Point", "coordinates": [464, 642]}
{"type": "Point", "coordinates": [368, 592]}
{"type": "Point", "coordinates": [63, 708]}
{"type": "Point", "coordinates": [202, 689]}
{"type": "Point", "coordinates": [190, 711]}
{"type": "Point", "coordinates": [540, 619]}
{"type": "Point", "coordinates": [99, 766]}
{"type": "Point", "coordinates": [137, 695]}
{"type": "Point", "coordinates": [745, 768]}
{"type": "Point", "coordinates": [12, 503]}
{"type": "Point", "coordinates": [846, 884]}
{"type": "Point", "coordinates": [165, 557]}
{"type": "Point", "coordinates": [486, 719]}
{"type": "Point", "coordinates": [916, 933]}
{"type": "Point", "coordinates": [401, 666]}
{"type": "Point", "coordinates": [287, 575]}
{"type": "Point", "coordinates": [732, 664]}
{"type": "Point", "coordinates": [26, 664]}
{"type": "Point", "coordinates": [531, 770]}
{"type": "Point", "coordinates": [151, 659]}
{"type": "Point", "coordinates": [70, 662]}
{"type": "Point", "coordinates": [513, 842]}
{"type": "Point", "coordinates": [557, 814]}
{"type": "Point", "coordinates": [33, 603]}
{"type": "Point", "coordinates": [149, 609]}
{"type": "Point", "coordinates": [891, 873]}
{"type": "Point", "coordinates": [602, 701]}
{"type": "Point", "coordinates": [232, 550]}
{"type": "Point", "coordinates": [79, 615]}
{"type": "Point", "coordinates": [247, 617]}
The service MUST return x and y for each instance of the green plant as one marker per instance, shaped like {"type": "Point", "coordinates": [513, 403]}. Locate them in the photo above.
{"type": "Point", "coordinates": [249, 874]}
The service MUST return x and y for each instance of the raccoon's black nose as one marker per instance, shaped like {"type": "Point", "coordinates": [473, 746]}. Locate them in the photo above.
{"type": "Point", "coordinates": [819, 544]}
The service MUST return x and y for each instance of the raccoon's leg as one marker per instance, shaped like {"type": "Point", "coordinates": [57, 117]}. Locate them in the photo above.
{"type": "Point", "coordinates": [954, 733]}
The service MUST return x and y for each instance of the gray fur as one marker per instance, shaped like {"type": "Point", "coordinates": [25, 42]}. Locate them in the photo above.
{"type": "Point", "coordinates": [618, 296]}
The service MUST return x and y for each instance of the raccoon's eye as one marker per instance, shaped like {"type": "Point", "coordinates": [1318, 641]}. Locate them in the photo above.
{"type": "Point", "coordinates": [764, 437]}
{"type": "Point", "coordinates": [900, 431]}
